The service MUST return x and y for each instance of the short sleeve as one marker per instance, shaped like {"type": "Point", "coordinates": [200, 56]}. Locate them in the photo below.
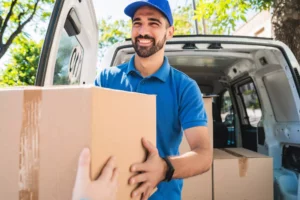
{"type": "Point", "coordinates": [99, 79]}
{"type": "Point", "coordinates": [192, 111]}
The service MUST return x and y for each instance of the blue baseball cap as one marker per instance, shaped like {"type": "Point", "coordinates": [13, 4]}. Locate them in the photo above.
{"type": "Point", "coordinates": [161, 5]}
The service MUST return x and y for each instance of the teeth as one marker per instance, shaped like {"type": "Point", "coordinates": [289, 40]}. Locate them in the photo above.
{"type": "Point", "coordinates": [144, 41]}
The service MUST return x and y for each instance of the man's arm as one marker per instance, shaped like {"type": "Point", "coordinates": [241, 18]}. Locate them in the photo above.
{"type": "Point", "coordinates": [199, 159]}
{"type": "Point", "coordinates": [193, 120]}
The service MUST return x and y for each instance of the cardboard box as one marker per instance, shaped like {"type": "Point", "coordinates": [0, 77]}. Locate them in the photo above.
{"type": "Point", "coordinates": [43, 130]}
{"type": "Point", "coordinates": [199, 187]}
{"type": "Point", "coordinates": [242, 174]}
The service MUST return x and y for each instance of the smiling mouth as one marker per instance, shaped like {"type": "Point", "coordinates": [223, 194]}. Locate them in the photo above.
{"type": "Point", "coordinates": [144, 42]}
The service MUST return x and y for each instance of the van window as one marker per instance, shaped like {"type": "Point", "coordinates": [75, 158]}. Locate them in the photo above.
{"type": "Point", "coordinates": [251, 103]}
{"type": "Point", "coordinates": [226, 108]}
{"type": "Point", "coordinates": [227, 116]}
{"type": "Point", "coordinates": [69, 61]}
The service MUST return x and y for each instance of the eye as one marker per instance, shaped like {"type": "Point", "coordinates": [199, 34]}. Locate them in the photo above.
{"type": "Point", "coordinates": [154, 24]}
{"type": "Point", "coordinates": [137, 23]}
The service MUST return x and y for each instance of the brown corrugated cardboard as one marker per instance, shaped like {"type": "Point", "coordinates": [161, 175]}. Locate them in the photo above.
{"type": "Point", "coordinates": [199, 187]}
{"type": "Point", "coordinates": [242, 174]}
{"type": "Point", "coordinates": [11, 104]}
{"type": "Point", "coordinates": [50, 126]}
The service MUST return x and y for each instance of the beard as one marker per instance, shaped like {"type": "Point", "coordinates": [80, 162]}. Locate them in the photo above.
{"type": "Point", "coordinates": [146, 52]}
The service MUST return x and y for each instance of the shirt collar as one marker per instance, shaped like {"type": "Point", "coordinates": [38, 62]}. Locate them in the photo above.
{"type": "Point", "coordinates": [130, 67]}
{"type": "Point", "coordinates": [162, 73]}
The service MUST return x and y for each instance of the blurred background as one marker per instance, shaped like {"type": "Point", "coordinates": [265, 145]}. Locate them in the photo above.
{"type": "Point", "coordinates": [23, 25]}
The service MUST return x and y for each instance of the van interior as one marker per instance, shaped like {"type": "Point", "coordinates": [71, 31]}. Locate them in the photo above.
{"type": "Point", "coordinates": [255, 92]}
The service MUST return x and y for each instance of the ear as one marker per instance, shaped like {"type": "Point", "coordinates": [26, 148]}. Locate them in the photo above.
{"type": "Point", "coordinates": [170, 32]}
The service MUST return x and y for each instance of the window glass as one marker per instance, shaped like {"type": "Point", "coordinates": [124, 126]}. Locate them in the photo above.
{"type": "Point", "coordinates": [69, 61]}
{"type": "Point", "coordinates": [251, 103]}
{"type": "Point", "coordinates": [226, 109]}
{"type": "Point", "coordinates": [227, 116]}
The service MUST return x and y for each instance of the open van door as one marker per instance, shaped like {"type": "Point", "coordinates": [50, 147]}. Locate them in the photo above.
{"type": "Point", "coordinates": [69, 54]}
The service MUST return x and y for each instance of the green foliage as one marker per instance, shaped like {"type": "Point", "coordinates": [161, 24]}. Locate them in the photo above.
{"type": "Point", "coordinates": [16, 14]}
{"type": "Point", "coordinates": [251, 99]}
{"type": "Point", "coordinates": [222, 15]}
{"type": "Point", "coordinates": [254, 104]}
{"type": "Point", "coordinates": [183, 16]}
{"type": "Point", "coordinates": [21, 11]}
{"type": "Point", "coordinates": [261, 4]}
{"type": "Point", "coordinates": [22, 68]}
{"type": "Point", "coordinates": [113, 31]}
{"type": "Point", "coordinates": [226, 104]}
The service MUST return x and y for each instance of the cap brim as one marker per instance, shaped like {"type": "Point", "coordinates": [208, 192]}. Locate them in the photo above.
{"type": "Point", "coordinates": [131, 8]}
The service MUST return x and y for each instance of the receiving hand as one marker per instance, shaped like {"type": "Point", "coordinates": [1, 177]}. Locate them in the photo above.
{"type": "Point", "coordinates": [104, 188]}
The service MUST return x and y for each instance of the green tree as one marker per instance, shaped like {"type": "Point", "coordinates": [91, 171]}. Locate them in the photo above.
{"type": "Point", "coordinates": [113, 31]}
{"type": "Point", "coordinates": [222, 16]}
{"type": "Point", "coordinates": [22, 68]}
{"type": "Point", "coordinates": [25, 54]}
{"type": "Point", "coordinates": [15, 15]}
{"type": "Point", "coordinates": [183, 17]}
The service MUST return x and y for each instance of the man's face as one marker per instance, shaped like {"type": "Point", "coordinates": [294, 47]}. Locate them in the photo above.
{"type": "Point", "coordinates": [150, 30]}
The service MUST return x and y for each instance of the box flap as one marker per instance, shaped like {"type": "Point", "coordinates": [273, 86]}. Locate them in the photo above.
{"type": "Point", "coordinates": [88, 87]}
{"type": "Point", "coordinates": [246, 153]}
{"type": "Point", "coordinates": [125, 92]}
{"type": "Point", "coordinates": [19, 88]}
{"type": "Point", "coordinates": [220, 154]}
{"type": "Point", "coordinates": [241, 154]}
{"type": "Point", "coordinates": [242, 177]}
{"type": "Point", "coordinates": [225, 154]}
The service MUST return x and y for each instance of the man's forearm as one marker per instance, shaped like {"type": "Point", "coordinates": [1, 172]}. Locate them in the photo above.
{"type": "Point", "coordinates": [192, 163]}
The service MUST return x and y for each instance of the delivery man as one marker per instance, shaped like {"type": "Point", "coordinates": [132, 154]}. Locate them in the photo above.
{"type": "Point", "coordinates": [180, 107]}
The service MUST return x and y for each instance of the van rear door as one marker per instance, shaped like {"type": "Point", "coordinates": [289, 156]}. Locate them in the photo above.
{"type": "Point", "coordinates": [69, 54]}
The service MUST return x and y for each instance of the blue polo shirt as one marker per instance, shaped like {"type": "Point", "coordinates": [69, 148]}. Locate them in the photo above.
{"type": "Point", "coordinates": [179, 106]}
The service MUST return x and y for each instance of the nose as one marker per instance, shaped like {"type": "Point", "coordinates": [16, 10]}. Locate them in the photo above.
{"type": "Point", "coordinates": [144, 30]}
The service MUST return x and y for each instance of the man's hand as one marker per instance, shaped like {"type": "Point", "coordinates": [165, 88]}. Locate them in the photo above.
{"type": "Point", "coordinates": [104, 188]}
{"type": "Point", "coordinates": [152, 172]}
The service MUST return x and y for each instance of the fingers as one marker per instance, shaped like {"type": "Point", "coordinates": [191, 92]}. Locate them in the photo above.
{"type": "Point", "coordinates": [146, 195]}
{"type": "Point", "coordinates": [140, 190]}
{"type": "Point", "coordinates": [83, 172]}
{"type": "Point", "coordinates": [149, 146]}
{"type": "Point", "coordinates": [139, 167]}
{"type": "Point", "coordinates": [138, 178]}
{"type": "Point", "coordinates": [107, 171]}
{"type": "Point", "coordinates": [115, 175]}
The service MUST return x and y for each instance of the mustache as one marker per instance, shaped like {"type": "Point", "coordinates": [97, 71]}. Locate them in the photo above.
{"type": "Point", "coordinates": [144, 37]}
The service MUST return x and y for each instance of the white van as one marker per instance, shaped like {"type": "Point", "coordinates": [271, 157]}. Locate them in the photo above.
{"type": "Point", "coordinates": [256, 81]}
